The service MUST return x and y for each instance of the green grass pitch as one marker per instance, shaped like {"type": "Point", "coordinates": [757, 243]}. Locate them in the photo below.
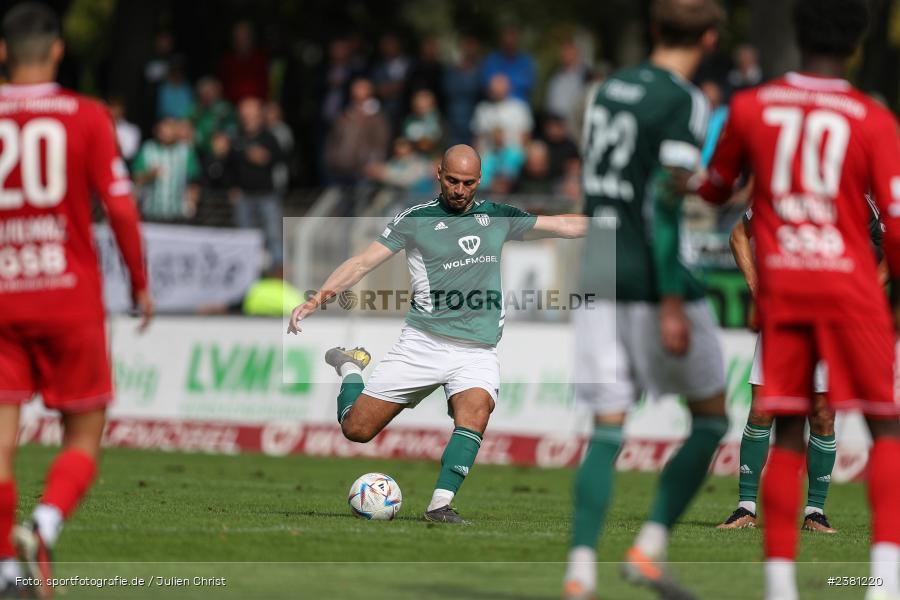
{"type": "Point", "coordinates": [281, 528]}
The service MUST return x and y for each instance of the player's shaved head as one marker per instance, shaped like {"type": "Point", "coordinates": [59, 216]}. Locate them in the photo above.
{"type": "Point", "coordinates": [459, 176]}
{"type": "Point", "coordinates": [462, 159]}
{"type": "Point", "coordinates": [29, 31]}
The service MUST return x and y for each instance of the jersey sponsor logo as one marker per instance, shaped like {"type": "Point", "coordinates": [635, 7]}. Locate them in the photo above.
{"type": "Point", "coordinates": [621, 91]}
{"type": "Point", "coordinates": [440, 226]}
{"type": "Point", "coordinates": [483, 220]}
{"type": "Point", "coordinates": [470, 244]}
{"type": "Point", "coordinates": [478, 260]}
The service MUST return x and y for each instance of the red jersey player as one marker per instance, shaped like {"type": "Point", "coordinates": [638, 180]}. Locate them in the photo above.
{"type": "Point", "coordinates": [816, 145]}
{"type": "Point", "coordinates": [56, 148]}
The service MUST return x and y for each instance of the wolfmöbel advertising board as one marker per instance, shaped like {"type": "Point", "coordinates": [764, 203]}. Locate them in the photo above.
{"type": "Point", "coordinates": [229, 385]}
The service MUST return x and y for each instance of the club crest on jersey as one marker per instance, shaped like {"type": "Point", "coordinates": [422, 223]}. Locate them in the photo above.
{"type": "Point", "coordinates": [483, 220]}
{"type": "Point", "coordinates": [470, 244]}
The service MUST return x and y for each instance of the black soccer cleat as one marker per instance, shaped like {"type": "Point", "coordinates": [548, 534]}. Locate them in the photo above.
{"type": "Point", "coordinates": [445, 514]}
{"type": "Point", "coordinates": [817, 522]}
{"type": "Point", "coordinates": [741, 518]}
{"type": "Point", "coordinates": [34, 555]}
{"type": "Point", "coordinates": [338, 356]}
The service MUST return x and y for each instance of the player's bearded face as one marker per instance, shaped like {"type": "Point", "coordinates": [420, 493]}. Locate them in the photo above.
{"type": "Point", "coordinates": [458, 189]}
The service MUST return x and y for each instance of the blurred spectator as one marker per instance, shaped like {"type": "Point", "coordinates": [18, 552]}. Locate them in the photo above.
{"type": "Point", "coordinates": [535, 177]}
{"type": "Point", "coordinates": [128, 135]}
{"type": "Point", "coordinates": [251, 164]}
{"type": "Point", "coordinates": [244, 70]}
{"type": "Point", "coordinates": [389, 77]}
{"type": "Point", "coordinates": [175, 98]}
{"type": "Point", "coordinates": [166, 170]}
{"type": "Point", "coordinates": [501, 163]}
{"type": "Point", "coordinates": [215, 163]}
{"type": "Point", "coordinates": [339, 72]}
{"type": "Point", "coordinates": [427, 72]}
{"type": "Point", "coordinates": [285, 138]}
{"type": "Point", "coordinates": [461, 88]}
{"type": "Point", "coordinates": [510, 60]}
{"type": "Point", "coordinates": [502, 111]}
{"type": "Point", "coordinates": [423, 125]}
{"type": "Point", "coordinates": [561, 149]}
{"type": "Point", "coordinates": [359, 137]}
{"type": "Point", "coordinates": [269, 296]}
{"type": "Point", "coordinates": [717, 117]}
{"type": "Point", "coordinates": [567, 85]}
{"type": "Point", "coordinates": [407, 170]}
{"type": "Point", "coordinates": [157, 67]}
{"type": "Point", "coordinates": [746, 72]}
{"type": "Point", "coordinates": [211, 114]}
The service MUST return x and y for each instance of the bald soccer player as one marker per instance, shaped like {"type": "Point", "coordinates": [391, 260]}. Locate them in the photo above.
{"type": "Point", "coordinates": [453, 245]}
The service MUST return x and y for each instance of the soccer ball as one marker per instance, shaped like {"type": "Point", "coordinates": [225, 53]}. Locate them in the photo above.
{"type": "Point", "coordinates": [375, 496]}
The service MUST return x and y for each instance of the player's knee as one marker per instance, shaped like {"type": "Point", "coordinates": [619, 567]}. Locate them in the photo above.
{"type": "Point", "coordinates": [357, 432]}
{"type": "Point", "coordinates": [821, 421]}
{"type": "Point", "coordinates": [759, 419]}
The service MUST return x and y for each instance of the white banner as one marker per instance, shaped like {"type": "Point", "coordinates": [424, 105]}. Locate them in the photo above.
{"type": "Point", "coordinates": [188, 266]}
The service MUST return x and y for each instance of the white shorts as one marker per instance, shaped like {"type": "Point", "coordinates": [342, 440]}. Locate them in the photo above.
{"type": "Point", "coordinates": [619, 355]}
{"type": "Point", "coordinates": [820, 379]}
{"type": "Point", "coordinates": [420, 362]}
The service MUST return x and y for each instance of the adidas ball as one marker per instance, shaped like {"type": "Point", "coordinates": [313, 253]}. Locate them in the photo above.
{"type": "Point", "coordinates": [375, 496]}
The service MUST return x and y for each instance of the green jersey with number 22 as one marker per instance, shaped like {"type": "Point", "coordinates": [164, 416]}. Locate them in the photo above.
{"type": "Point", "coordinates": [640, 120]}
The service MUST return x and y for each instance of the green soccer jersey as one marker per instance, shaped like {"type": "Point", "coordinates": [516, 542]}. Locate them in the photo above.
{"type": "Point", "coordinates": [454, 265]}
{"type": "Point", "coordinates": [641, 119]}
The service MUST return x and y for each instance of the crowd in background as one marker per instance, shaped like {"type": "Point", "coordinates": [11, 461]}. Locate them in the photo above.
{"type": "Point", "coordinates": [385, 110]}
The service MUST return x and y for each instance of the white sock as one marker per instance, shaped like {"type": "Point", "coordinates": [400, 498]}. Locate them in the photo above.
{"type": "Point", "coordinates": [748, 504]}
{"type": "Point", "coordinates": [781, 582]}
{"type": "Point", "coordinates": [9, 571]}
{"type": "Point", "coordinates": [812, 509]}
{"type": "Point", "coordinates": [583, 567]}
{"type": "Point", "coordinates": [349, 367]}
{"type": "Point", "coordinates": [653, 539]}
{"type": "Point", "coordinates": [885, 565]}
{"type": "Point", "coordinates": [440, 498]}
{"type": "Point", "coordinates": [49, 520]}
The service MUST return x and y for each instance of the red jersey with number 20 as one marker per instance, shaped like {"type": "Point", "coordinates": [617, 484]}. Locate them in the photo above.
{"type": "Point", "coordinates": [56, 149]}
{"type": "Point", "coordinates": [816, 146]}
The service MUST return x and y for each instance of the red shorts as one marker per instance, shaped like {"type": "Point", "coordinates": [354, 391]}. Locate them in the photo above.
{"type": "Point", "coordinates": [67, 364]}
{"type": "Point", "coordinates": [860, 360]}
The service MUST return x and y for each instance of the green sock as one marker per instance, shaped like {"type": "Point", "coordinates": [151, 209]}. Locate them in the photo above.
{"type": "Point", "coordinates": [754, 451]}
{"type": "Point", "coordinates": [594, 484]}
{"type": "Point", "coordinates": [351, 387]}
{"type": "Point", "coordinates": [458, 458]}
{"type": "Point", "coordinates": [682, 477]}
{"type": "Point", "coordinates": [819, 463]}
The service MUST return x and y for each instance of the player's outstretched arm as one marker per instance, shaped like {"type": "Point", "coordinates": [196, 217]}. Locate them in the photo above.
{"type": "Point", "coordinates": [344, 277]}
{"type": "Point", "coordinates": [743, 254]}
{"type": "Point", "coordinates": [568, 226]}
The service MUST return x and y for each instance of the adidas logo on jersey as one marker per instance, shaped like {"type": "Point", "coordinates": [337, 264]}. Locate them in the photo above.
{"type": "Point", "coordinates": [440, 226]}
{"type": "Point", "coordinates": [824, 478]}
{"type": "Point", "coordinates": [746, 470]}
{"type": "Point", "coordinates": [461, 469]}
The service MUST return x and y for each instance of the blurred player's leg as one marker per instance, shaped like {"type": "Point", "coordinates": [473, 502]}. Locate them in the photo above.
{"type": "Point", "coordinates": [9, 428]}
{"type": "Point", "coordinates": [820, 456]}
{"type": "Point", "coordinates": [593, 493]}
{"type": "Point", "coordinates": [471, 411]}
{"type": "Point", "coordinates": [68, 480]}
{"type": "Point", "coordinates": [781, 502]}
{"type": "Point", "coordinates": [754, 450]}
{"type": "Point", "coordinates": [884, 498]}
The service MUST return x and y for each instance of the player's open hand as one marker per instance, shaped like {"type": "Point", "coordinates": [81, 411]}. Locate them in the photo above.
{"type": "Point", "coordinates": [300, 313]}
{"type": "Point", "coordinates": [144, 302]}
{"type": "Point", "coordinates": [674, 327]}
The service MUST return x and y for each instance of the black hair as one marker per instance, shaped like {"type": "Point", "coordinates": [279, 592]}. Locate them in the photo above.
{"type": "Point", "coordinates": [29, 30]}
{"type": "Point", "coordinates": [830, 27]}
{"type": "Point", "coordinates": [684, 22]}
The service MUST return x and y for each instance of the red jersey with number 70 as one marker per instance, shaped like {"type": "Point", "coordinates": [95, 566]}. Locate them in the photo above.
{"type": "Point", "coordinates": [57, 149]}
{"type": "Point", "coordinates": [815, 146]}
